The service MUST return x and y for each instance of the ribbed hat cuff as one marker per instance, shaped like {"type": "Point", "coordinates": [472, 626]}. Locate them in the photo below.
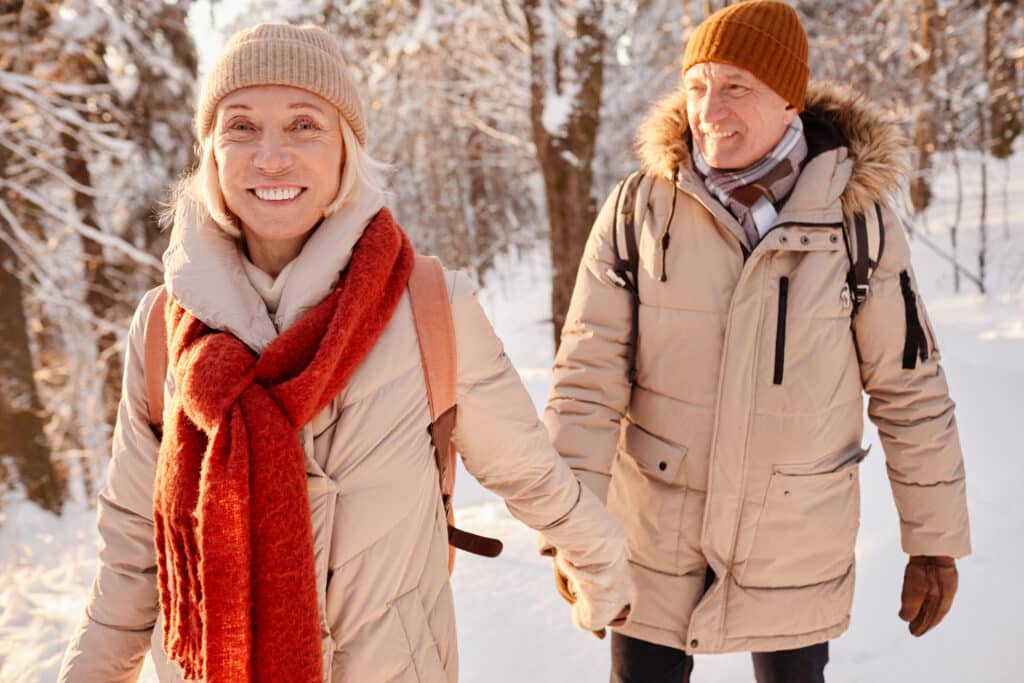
{"type": "Point", "coordinates": [281, 61]}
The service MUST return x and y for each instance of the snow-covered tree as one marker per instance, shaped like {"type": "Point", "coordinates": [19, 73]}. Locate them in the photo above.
{"type": "Point", "coordinates": [567, 45]}
{"type": "Point", "coordinates": [94, 123]}
{"type": "Point", "coordinates": [445, 86]}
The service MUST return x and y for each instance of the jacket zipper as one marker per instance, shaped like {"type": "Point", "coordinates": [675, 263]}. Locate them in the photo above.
{"type": "Point", "coordinates": [780, 331]}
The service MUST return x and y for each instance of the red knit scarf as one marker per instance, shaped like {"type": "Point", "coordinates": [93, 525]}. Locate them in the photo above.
{"type": "Point", "coordinates": [233, 535]}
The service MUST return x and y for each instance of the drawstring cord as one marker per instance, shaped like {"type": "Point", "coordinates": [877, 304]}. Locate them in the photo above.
{"type": "Point", "coordinates": [664, 239]}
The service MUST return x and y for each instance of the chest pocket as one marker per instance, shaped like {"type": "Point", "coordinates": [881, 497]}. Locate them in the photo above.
{"type": "Point", "coordinates": [814, 261]}
{"type": "Point", "coordinates": [807, 346]}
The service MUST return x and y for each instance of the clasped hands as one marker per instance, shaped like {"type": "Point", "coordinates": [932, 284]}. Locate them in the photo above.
{"type": "Point", "coordinates": [595, 599]}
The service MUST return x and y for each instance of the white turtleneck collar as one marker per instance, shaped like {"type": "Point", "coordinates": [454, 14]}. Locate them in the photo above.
{"type": "Point", "coordinates": [269, 288]}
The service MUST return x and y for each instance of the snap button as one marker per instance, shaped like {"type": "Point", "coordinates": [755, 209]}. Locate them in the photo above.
{"type": "Point", "coordinates": [833, 239]}
{"type": "Point", "coordinates": [662, 465]}
{"type": "Point", "coordinates": [783, 239]}
{"type": "Point", "coordinates": [805, 240]}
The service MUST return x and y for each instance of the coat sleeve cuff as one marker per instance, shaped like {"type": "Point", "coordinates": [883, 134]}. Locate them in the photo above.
{"type": "Point", "coordinates": [933, 519]}
{"type": "Point", "coordinates": [102, 653]}
{"type": "Point", "coordinates": [596, 482]}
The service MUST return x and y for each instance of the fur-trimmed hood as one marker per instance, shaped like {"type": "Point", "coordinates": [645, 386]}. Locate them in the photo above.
{"type": "Point", "coordinates": [877, 146]}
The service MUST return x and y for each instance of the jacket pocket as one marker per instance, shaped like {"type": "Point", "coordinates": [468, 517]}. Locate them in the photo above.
{"type": "Point", "coordinates": [780, 331]}
{"type": "Point", "coordinates": [657, 458]}
{"type": "Point", "coordinates": [646, 500]}
{"type": "Point", "coordinates": [807, 529]}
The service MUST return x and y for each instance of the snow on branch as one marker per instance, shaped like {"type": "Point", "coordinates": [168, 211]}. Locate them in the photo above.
{"type": "Point", "coordinates": [71, 219]}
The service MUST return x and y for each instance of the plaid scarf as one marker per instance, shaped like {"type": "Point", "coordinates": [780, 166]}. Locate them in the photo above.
{"type": "Point", "coordinates": [751, 194]}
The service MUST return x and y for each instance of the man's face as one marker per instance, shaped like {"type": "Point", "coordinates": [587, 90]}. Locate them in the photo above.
{"type": "Point", "coordinates": [734, 118]}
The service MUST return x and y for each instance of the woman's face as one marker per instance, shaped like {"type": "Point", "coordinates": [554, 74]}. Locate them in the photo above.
{"type": "Point", "coordinates": [279, 155]}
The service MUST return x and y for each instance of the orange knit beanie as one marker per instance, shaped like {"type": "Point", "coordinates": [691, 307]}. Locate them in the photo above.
{"type": "Point", "coordinates": [764, 37]}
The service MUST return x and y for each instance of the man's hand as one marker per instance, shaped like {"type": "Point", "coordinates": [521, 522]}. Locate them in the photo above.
{"type": "Point", "coordinates": [565, 586]}
{"type": "Point", "coordinates": [929, 584]}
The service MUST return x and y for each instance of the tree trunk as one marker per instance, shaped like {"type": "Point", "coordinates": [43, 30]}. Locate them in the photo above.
{"type": "Point", "coordinates": [22, 437]}
{"type": "Point", "coordinates": [924, 118]}
{"type": "Point", "coordinates": [982, 219]}
{"type": "Point", "coordinates": [102, 290]}
{"type": "Point", "coordinates": [566, 74]}
{"type": "Point", "coordinates": [1004, 105]}
{"type": "Point", "coordinates": [956, 220]}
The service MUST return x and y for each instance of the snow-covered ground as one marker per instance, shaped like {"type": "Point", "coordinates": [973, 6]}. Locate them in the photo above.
{"type": "Point", "coordinates": [513, 626]}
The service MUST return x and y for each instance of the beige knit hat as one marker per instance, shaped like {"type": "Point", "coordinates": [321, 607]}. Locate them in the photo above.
{"type": "Point", "coordinates": [764, 37]}
{"type": "Point", "coordinates": [281, 54]}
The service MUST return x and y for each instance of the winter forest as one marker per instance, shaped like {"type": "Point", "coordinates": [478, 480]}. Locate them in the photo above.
{"type": "Point", "coordinates": [507, 122]}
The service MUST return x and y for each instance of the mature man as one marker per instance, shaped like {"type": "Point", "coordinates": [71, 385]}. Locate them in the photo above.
{"type": "Point", "coordinates": [711, 391]}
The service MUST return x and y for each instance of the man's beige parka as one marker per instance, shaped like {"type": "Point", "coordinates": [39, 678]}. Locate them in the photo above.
{"type": "Point", "coordinates": [737, 446]}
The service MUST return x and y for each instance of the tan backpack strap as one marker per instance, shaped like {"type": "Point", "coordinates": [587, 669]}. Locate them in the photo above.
{"type": "Point", "coordinates": [435, 330]}
{"type": "Point", "coordinates": [154, 369]}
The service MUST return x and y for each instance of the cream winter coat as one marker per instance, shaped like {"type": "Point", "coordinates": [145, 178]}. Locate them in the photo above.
{"type": "Point", "coordinates": [378, 523]}
{"type": "Point", "coordinates": [704, 459]}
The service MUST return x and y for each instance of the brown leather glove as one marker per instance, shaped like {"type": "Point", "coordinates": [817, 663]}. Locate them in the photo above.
{"type": "Point", "coordinates": [929, 584]}
{"type": "Point", "coordinates": [562, 585]}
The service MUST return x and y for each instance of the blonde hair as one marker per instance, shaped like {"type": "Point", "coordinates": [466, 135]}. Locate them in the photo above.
{"type": "Point", "coordinates": [200, 189]}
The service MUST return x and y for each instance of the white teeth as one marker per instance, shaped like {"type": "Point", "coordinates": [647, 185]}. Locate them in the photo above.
{"type": "Point", "coordinates": [719, 136]}
{"type": "Point", "coordinates": [278, 194]}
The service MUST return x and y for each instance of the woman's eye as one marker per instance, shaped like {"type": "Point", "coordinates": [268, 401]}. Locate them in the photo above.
{"type": "Point", "coordinates": [241, 125]}
{"type": "Point", "coordinates": [306, 125]}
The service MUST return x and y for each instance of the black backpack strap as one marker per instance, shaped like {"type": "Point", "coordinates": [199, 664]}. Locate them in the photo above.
{"type": "Point", "coordinates": [864, 250]}
{"type": "Point", "coordinates": [627, 264]}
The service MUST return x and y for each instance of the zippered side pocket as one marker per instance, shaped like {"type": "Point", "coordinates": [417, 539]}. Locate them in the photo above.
{"type": "Point", "coordinates": [780, 331]}
{"type": "Point", "coordinates": [915, 345]}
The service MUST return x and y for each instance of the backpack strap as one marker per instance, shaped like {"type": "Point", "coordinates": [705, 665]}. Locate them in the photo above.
{"type": "Point", "coordinates": [627, 263]}
{"type": "Point", "coordinates": [625, 272]}
{"type": "Point", "coordinates": [435, 331]}
{"type": "Point", "coordinates": [154, 369]}
{"type": "Point", "coordinates": [865, 240]}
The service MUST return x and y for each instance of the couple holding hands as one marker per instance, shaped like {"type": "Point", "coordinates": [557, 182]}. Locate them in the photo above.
{"type": "Point", "coordinates": [695, 478]}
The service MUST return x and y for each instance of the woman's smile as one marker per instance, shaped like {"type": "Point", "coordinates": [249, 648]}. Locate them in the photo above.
{"type": "Point", "coordinates": [277, 195]}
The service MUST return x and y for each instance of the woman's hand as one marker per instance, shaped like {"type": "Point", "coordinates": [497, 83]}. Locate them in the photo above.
{"type": "Point", "coordinates": [599, 596]}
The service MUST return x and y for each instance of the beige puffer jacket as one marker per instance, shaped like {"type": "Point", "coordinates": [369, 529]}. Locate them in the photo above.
{"type": "Point", "coordinates": [705, 460]}
{"type": "Point", "coordinates": [378, 523]}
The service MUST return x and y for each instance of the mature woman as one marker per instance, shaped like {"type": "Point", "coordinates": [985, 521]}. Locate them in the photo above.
{"type": "Point", "coordinates": [288, 525]}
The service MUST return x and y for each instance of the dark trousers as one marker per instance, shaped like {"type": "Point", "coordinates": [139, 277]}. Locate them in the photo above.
{"type": "Point", "coordinates": [637, 661]}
